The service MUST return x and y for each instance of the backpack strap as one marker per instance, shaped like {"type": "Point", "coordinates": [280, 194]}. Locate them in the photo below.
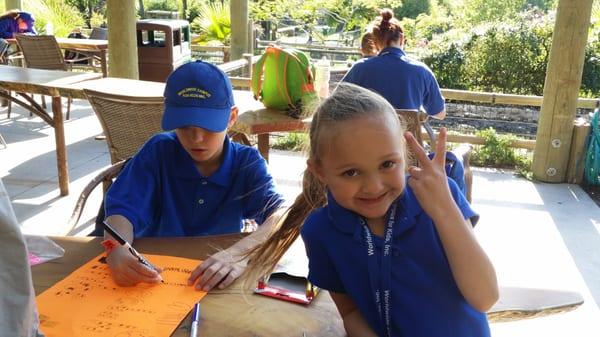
{"type": "Point", "coordinates": [257, 73]}
{"type": "Point", "coordinates": [307, 85]}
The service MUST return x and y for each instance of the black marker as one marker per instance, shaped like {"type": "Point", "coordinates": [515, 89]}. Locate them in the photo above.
{"type": "Point", "coordinates": [132, 250]}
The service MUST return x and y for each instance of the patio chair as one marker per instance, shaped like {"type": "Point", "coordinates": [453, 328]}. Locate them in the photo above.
{"type": "Point", "coordinates": [43, 52]}
{"type": "Point", "coordinates": [127, 121]}
{"type": "Point", "coordinates": [414, 122]}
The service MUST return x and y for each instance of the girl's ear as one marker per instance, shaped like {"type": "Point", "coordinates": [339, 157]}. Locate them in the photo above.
{"type": "Point", "coordinates": [313, 167]}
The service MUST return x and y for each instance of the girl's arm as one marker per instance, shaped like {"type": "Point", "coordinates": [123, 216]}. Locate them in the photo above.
{"type": "Point", "coordinates": [354, 322]}
{"type": "Point", "coordinates": [472, 270]}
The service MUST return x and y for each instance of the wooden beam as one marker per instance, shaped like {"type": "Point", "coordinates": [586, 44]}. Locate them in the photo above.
{"type": "Point", "coordinates": [561, 90]}
{"type": "Point", "coordinates": [239, 28]}
{"type": "Point", "coordinates": [122, 41]}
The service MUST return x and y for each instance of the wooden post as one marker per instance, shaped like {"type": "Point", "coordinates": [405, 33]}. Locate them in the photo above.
{"type": "Point", "coordinates": [122, 40]}
{"type": "Point", "coordinates": [561, 90]}
{"type": "Point", "coordinates": [248, 67]}
{"type": "Point", "coordinates": [13, 4]}
{"type": "Point", "coordinates": [581, 132]}
{"type": "Point", "coordinates": [239, 28]}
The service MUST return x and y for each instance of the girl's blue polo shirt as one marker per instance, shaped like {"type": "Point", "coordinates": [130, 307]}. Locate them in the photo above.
{"type": "Point", "coordinates": [425, 300]}
{"type": "Point", "coordinates": [162, 193]}
{"type": "Point", "coordinates": [404, 82]}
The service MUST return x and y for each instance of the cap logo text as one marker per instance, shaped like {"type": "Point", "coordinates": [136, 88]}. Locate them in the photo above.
{"type": "Point", "coordinates": [193, 93]}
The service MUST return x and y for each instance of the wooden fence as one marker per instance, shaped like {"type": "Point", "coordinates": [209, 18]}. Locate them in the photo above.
{"type": "Point", "coordinates": [581, 128]}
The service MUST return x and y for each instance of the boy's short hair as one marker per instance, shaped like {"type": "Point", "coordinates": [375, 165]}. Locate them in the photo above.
{"type": "Point", "coordinates": [197, 94]}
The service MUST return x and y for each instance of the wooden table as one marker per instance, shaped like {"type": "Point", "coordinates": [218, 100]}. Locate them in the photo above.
{"type": "Point", "coordinates": [87, 46]}
{"type": "Point", "coordinates": [225, 312]}
{"type": "Point", "coordinates": [255, 119]}
{"type": "Point", "coordinates": [50, 83]}
{"type": "Point", "coordinates": [228, 313]}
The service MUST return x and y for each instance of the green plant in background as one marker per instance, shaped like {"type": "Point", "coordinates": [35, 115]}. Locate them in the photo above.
{"type": "Point", "coordinates": [293, 141]}
{"type": "Point", "coordinates": [497, 152]}
{"type": "Point", "coordinates": [64, 17]}
{"type": "Point", "coordinates": [213, 23]}
{"type": "Point", "coordinates": [161, 5]}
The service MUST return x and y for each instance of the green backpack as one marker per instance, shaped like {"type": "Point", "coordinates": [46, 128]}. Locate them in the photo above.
{"type": "Point", "coordinates": [288, 82]}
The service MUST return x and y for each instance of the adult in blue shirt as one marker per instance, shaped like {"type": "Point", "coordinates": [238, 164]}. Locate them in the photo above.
{"type": "Point", "coordinates": [192, 181]}
{"type": "Point", "coordinates": [404, 82]}
{"type": "Point", "coordinates": [16, 22]}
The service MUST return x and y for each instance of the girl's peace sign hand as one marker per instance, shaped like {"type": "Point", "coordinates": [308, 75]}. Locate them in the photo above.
{"type": "Point", "coordinates": [429, 181]}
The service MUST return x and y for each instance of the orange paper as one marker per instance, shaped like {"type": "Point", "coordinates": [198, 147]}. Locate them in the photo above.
{"type": "Point", "coordinates": [89, 303]}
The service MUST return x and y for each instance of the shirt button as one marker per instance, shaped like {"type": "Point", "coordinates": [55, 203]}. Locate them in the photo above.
{"type": "Point", "coordinates": [201, 201]}
{"type": "Point", "coordinates": [204, 182]}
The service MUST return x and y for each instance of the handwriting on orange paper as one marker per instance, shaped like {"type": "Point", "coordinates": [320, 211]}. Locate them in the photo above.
{"type": "Point", "coordinates": [89, 303]}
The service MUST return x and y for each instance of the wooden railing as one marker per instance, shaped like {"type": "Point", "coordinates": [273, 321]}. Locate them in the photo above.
{"type": "Point", "coordinates": [449, 94]}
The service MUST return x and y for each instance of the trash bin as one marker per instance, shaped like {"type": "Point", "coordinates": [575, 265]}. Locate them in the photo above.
{"type": "Point", "coordinates": [163, 45]}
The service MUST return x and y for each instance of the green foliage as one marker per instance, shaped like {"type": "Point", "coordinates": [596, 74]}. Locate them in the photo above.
{"type": "Point", "coordinates": [161, 5]}
{"type": "Point", "coordinates": [447, 62]}
{"type": "Point", "coordinates": [213, 23]}
{"type": "Point", "coordinates": [412, 8]}
{"type": "Point", "coordinates": [63, 16]}
{"type": "Point", "coordinates": [292, 141]}
{"type": "Point", "coordinates": [496, 152]}
{"type": "Point", "coordinates": [475, 12]}
{"type": "Point", "coordinates": [590, 81]}
{"type": "Point", "coordinates": [508, 57]}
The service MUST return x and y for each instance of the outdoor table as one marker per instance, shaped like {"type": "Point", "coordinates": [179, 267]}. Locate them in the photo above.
{"type": "Point", "coordinates": [85, 46]}
{"type": "Point", "coordinates": [82, 46]}
{"type": "Point", "coordinates": [224, 312]}
{"type": "Point", "coordinates": [50, 83]}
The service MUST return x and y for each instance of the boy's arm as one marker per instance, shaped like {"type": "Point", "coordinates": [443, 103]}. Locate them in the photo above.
{"type": "Point", "coordinates": [126, 270]}
{"type": "Point", "coordinates": [226, 266]}
{"type": "Point", "coordinates": [354, 322]}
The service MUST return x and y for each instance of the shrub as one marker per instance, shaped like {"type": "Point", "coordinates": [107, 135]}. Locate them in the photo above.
{"type": "Point", "coordinates": [496, 152]}
{"type": "Point", "coordinates": [293, 141]}
{"type": "Point", "coordinates": [64, 17]}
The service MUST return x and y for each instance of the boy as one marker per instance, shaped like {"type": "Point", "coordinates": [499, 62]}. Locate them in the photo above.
{"type": "Point", "coordinates": [193, 181]}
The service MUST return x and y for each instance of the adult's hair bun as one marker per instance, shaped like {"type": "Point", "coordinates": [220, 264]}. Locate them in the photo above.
{"type": "Point", "coordinates": [386, 14]}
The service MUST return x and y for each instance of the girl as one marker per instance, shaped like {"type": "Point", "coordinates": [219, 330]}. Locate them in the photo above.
{"type": "Point", "coordinates": [396, 253]}
{"type": "Point", "coordinates": [413, 85]}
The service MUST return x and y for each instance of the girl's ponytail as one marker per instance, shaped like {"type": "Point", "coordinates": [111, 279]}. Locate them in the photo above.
{"type": "Point", "coordinates": [263, 258]}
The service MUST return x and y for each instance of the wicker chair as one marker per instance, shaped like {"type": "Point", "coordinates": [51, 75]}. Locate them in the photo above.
{"type": "Point", "coordinates": [43, 52]}
{"type": "Point", "coordinates": [414, 121]}
{"type": "Point", "coordinates": [127, 121]}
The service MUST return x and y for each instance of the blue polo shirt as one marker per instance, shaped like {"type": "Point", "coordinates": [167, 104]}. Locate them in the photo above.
{"type": "Point", "coordinates": [404, 82]}
{"type": "Point", "coordinates": [425, 300]}
{"type": "Point", "coordinates": [162, 193]}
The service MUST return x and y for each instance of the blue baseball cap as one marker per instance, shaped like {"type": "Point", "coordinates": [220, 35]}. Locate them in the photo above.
{"type": "Point", "coordinates": [197, 94]}
{"type": "Point", "coordinates": [27, 17]}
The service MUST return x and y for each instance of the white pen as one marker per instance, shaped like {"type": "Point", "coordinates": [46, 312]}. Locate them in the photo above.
{"type": "Point", "coordinates": [195, 320]}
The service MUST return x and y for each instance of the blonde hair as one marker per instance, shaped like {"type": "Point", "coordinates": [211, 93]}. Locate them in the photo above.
{"type": "Point", "coordinates": [386, 29]}
{"type": "Point", "coordinates": [348, 102]}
